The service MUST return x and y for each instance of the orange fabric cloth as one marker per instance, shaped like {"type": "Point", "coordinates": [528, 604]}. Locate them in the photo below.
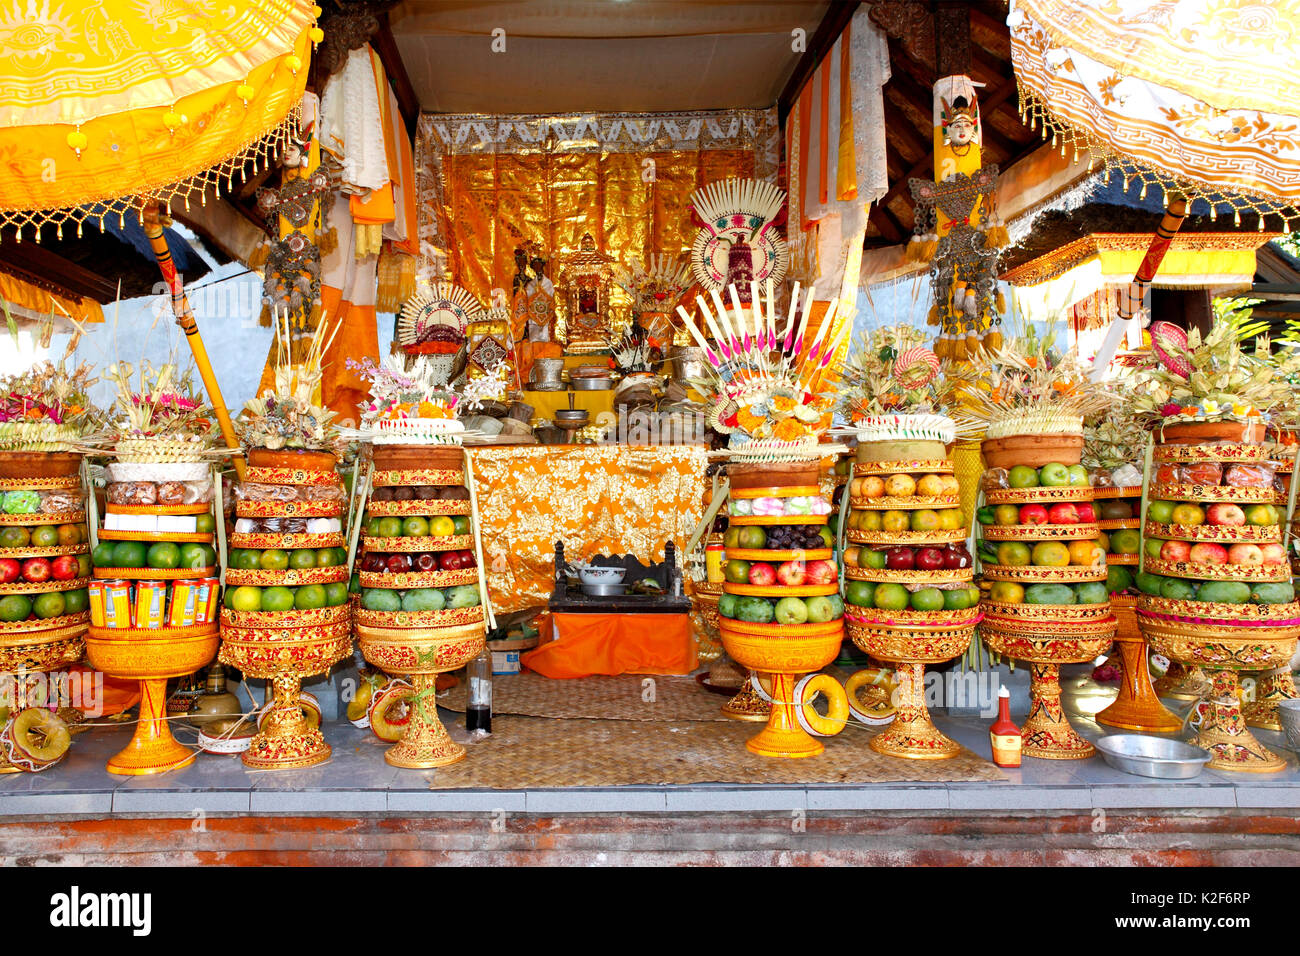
{"type": "Point", "coordinates": [116, 695]}
{"type": "Point", "coordinates": [613, 644]}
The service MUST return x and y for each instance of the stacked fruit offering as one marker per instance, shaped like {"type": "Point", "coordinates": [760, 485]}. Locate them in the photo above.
{"type": "Point", "coordinates": [44, 565]}
{"type": "Point", "coordinates": [44, 571]}
{"type": "Point", "coordinates": [421, 610]}
{"type": "Point", "coordinates": [1216, 583]}
{"type": "Point", "coordinates": [780, 612]}
{"type": "Point", "coordinates": [911, 600]}
{"type": "Point", "coordinates": [1046, 600]}
{"type": "Point", "coordinates": [286, 614]}
{"type": "Point", "coordinates": [154, 601]}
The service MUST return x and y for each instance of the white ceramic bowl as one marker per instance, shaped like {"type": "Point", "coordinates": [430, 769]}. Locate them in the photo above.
{"type": "Point", "coordinates": [602, 575]}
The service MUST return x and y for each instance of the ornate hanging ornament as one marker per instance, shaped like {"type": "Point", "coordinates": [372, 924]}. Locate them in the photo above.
{"type": "Point", "coordinates": [434, 322]}
{"type": "Point", "coordinates": [739, 242]}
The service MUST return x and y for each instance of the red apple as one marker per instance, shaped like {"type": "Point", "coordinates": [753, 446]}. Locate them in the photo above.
{"type": "Point", "coordinates": [822, 572]}
{"type": "Point", "coordinates": [399, 563]}
{"type": "Point", "coordinates": [10, 570]}
{"type": "Point", "coordinates": [762, 574]}
{"type": "Point", "coordinates": [1063, 513]}
{"type": "Point", "coordinates": [1274, 553]}
{"type": "Point", "coordinates": [467, 559]}
{"type": "Point", "coordinates": [36, 570]}
{"type": "Point", "coordinates": [372, 563]}
{"type": "Point", "coordinates": [956, 557]}
{"type": "Point", "coordinates": [449, 561]}
{"type": "Point", "coordinates": [1208, 553]}
{"type": "Point", "coordinates": [899, 559]}
{"type": "Point", "coordinates": [1033, 514]}
{"type": "Point", "coordinates": [1086, 513]}
{"type": "Point", "coordinates": [929, 559]}
{"type": "Point", "coordinates": [791, 573]}
{"type": "Point", "coordinates": [1245, 554]}
{"type": "Point", "coordinates": [426, 562]}
{"type": "Point", "coordinates": [64, 567]}
{"type": "Point", "coordinates": [1225, 514]}
{"type": "Point", "coordinates": [1175, 551]}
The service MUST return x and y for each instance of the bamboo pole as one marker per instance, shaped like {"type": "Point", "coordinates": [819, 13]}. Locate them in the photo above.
{"type": "Point", "coordinates": [153, 228]}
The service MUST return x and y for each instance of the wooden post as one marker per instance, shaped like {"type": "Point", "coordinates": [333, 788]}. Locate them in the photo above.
{"type": "Point", "coordinates": [152, 223]}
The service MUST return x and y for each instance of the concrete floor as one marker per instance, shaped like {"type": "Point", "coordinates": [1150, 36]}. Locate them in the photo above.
{"type": "Point", "coordinates": [357, 781]}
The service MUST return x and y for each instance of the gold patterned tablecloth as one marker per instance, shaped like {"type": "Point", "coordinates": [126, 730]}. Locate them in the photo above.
{"type": "Point", "coordinates": [597, 499]}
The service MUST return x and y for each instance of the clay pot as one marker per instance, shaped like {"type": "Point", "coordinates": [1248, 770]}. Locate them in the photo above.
{"type": "Point", "coordinates": [871, 451]}
{"type": "Point", "coordinates": [1200, 433]}
{"type": "Point", "coordinates": [1032, 450]}
{"type": "Point", "coordinates": [303, 458]}
{"type": "Point", "coordinates": [786, 474]}
{"type": "Point", "coordinates": [413, 457]}
{"type": "Point", "coordinates": [38, 464]}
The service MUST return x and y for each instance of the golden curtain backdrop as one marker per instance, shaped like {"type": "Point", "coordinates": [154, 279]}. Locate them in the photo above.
{"type": "Point", "coordinates": [490, 184]}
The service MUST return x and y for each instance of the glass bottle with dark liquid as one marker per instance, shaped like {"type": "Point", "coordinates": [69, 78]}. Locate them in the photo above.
{"type": "Point", "coordinates": [478, 704]}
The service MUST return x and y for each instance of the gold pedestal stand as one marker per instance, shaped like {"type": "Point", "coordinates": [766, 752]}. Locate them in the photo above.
{"type": "Point", "coordinates": [1183, 683]}
{"type": "Point", "coordinates": [38, 652]}
{"type": "Point", "coordinates": [1271, 687]}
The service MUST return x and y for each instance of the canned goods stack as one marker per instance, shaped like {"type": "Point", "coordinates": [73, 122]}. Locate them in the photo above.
{"type": "Point", "coordinates": [286, 614]}
{"type": "Point", "coordinates": [153, 600]}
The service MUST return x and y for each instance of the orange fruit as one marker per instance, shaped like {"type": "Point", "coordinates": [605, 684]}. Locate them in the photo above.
{"type": "Point", "coordinates": [1086, 553]}
{"type": "Point", "coordinates": [1053, 554]}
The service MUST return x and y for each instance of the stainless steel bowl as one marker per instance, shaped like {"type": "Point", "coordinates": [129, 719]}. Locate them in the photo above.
{"type": "Point", "coordinates": [1288, 712]}
{"type": "Point", "coordinates": [571, 415]}
{"type": "Point", "coordinates": [1153, 756]}
{"type": "Point", "coordinates": [604, 590]}
{"type": "Point", "coordinates": [592, 384]}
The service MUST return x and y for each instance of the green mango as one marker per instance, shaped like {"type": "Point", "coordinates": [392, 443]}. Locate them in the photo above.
{"type": "Point", "coordinates": [424, 599]}
{"type": "Point", "coordinates": [1149, 583]}
{"type": "Point", "coordinates": [1271, 593]}
{"type": "Point", "coordinates": [1049, 594]}
{"type": "Point", "coordinates": [1094, 592]}
{"type": "Point", "coordinates": [381, 599]}
{"type": "Point", "coordinates": [466, 595]}
{"type": "Point", "coordinates": [1224, 592]}
{"type": "Point", "coordinates": [1118, 579]}
{"type": "Point", "coordinates": [1177, 589]}
{"type": "Point", "coordinates": [727, 605]}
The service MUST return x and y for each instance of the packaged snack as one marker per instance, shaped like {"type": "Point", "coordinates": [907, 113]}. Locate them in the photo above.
{"type": "Point", "coordinates": [21, 502]}
{"type": "Point", "coordinates": [994, 479]}
{"type": "Point", "coordinates": [1250, 476]}
{"type": "Point", "coordinates": [133, 493]}
{"type": "Point", "coordinates": [171, 492]}
{"type": "Point", "coordinates": [54, 502]}
{"type": "Point", "coordinates": [1203, 473]}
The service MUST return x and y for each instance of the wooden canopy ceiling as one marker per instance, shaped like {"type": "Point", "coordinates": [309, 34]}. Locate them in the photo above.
{"type": "Point", "coordinates": [929, 40]}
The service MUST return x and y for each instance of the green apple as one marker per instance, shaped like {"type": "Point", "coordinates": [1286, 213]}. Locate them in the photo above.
{"type": "Point", "coordinates": [1054, 475]}
{"type": "Point", "coordinates": [1022, 476]}
{"type": "Point", "coordinates": [1152, 547]}
{"type": "Point", "coordinates": [818, 609]}
{"type": "Point", "coordinates": [1079, 476]}
{"type": "Point", "coordinates": [1160, 512]}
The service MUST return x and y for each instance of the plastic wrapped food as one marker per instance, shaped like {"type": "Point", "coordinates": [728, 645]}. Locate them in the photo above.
{"type": "Point", "coordinates": [21, 502]}
{"type": "Point", "coordinates": [994, 479]}
{"type": "Point", "coordinates": [198, 492]}
{"type": "Point", "coordinates": [1203, 472]}
{"type": "Point", "coordinates": [1126, 476]}
{"type": "Point", "coordinates": [1250, 476]}
{"type": "Point", "coordinates": [55, 502]}
{"type": "Point", "coordinates": [1169, 474]}
{"type": "Point", "coordinates": [255, 491]}
{"type": "Point", "coordinates": [171, 492]}
{"type": "Point", "coordinates": [293, 525]}
{"type": "Point", "coordinates": [1101, 478]}
{"type": "Point", "coordinates": [133, 493]}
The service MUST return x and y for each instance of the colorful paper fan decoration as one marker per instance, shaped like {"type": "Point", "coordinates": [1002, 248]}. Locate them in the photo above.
{"type": "Point", "coordinates": [434, 322]}
{"type": "Point", "coordinates": [739, 242]}
{"type": "Point", "coordinates": [916, 368]}
{"type": "Point", "coordinates": [1169, 343]}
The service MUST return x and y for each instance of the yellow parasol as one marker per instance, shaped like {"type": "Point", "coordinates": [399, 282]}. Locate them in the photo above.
{"type": "Point", "coordinates": [1195, 98]}
{"type": "Point", "coordinates": [121, 105]}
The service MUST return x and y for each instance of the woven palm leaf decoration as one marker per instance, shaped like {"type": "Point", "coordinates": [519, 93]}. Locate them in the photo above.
{"type": "Point", "coordinates": [435, 321]}
{"type": "Point", "coordinates": [739, 241]}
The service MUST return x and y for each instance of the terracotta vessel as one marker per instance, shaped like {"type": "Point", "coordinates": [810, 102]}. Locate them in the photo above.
{"type": "Point", "coordinates": [294, 458]}
{"type": "Point", "coordinates": [1203, 433]}
{"type": "Point", "coordinates": [775, 474]}
{"type": "Point", "coordinates": [39, 464]}
{"type": "Point", "coordinates": [1032, 450]}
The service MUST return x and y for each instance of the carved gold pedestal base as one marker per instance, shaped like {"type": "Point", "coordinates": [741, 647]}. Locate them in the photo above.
{"type": "Point", "coordinates": [153, 749]}
{"type": "Point", "coordinates": [748, 704]}
{"type": "Point", "coordinates": [912, 734]}
{"type": "Point", "coordinates": [1137, 707]}
{"type": "Point", "coordinates": [783, 737]}
{"type": "Point", "coordinates": [1046, 731]}
{"type": "Point", "coordinates": [426, 743]}
{"type": "Point", "coordinates": [286, 741]}
{"type": "Point", "coordinates": [1183, 683]}
{"type": "Point", "coordinates": [1223, 730]}
{"type": "Point", "coordinates": [1273, 686]}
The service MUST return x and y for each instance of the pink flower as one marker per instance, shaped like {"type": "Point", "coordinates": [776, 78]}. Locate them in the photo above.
{"type": "Point", "coordinates": [1169, 409]}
